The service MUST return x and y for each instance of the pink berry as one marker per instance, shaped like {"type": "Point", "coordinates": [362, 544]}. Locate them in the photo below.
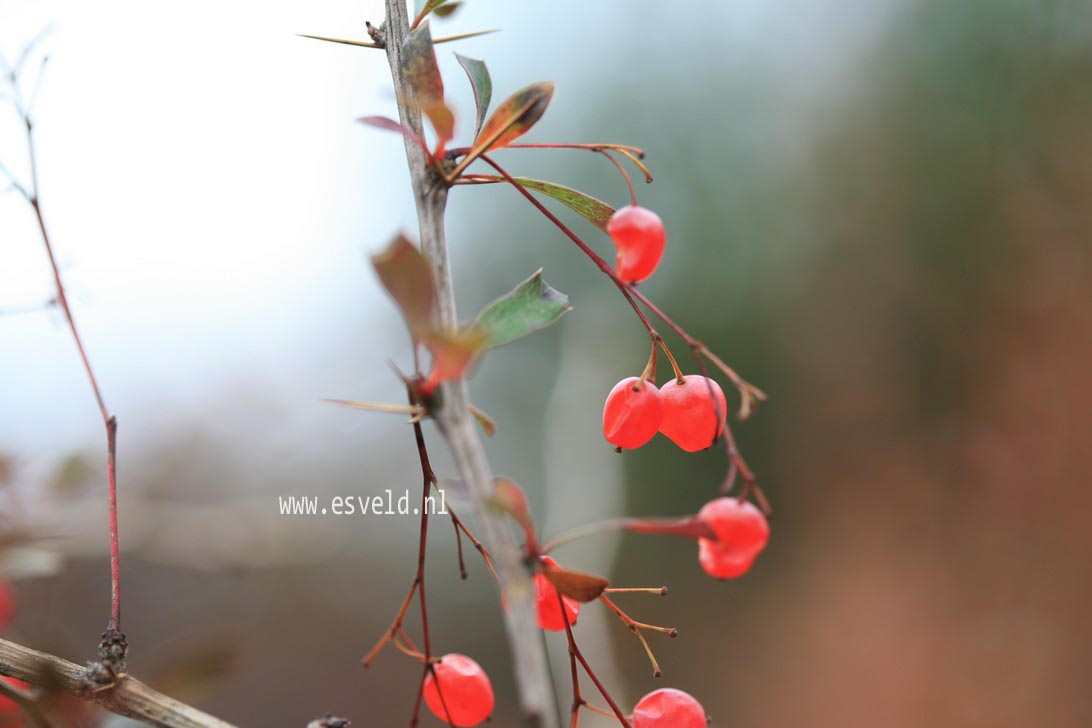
{"type": "Point", "coordinates": [742, 534]}
{"type": "Point", "coordinates": [549, 611]}
{"type": "Point", "coordinates": [467, 692]}
{"type": "Point", "coordinates": [694, 412]}
{"type": "Point", "coordinates": [632, 413]}
{"type": "Point", "coordinates": [669, 708]}
{"type": "Point", "coordinates": [639, 235]}
{"type": "Point", "coordinates": [7, 606]}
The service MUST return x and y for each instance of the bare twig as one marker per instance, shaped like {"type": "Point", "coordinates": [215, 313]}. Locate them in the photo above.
{"type": "Point", "coordinates": [129, 697]}
{"type": "Point", "coordinates": [32, 193]}
{"type": "Point", "coordinates": [454, 419]}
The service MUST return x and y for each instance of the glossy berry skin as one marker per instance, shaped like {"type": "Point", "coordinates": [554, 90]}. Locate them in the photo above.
{"type": "Point", "coordinates": [546, 606]}
{"type": "Point", "coordinates": [467, 692]}
{"type": "Point", "coordinates": [742, 534]}
{"type": "Point", "coordinates": [639, 235]}
{"type": "Point", "coordinates": [690, 417]}
{"type": "Point", "coordinates": [669, 708]}
{"type": "Point", "coordinates": [633, 413]}
{"type": "Point", "coordinates": [7, 606]}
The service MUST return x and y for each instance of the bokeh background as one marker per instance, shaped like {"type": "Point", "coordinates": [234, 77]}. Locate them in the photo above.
{"type": "Point", "coordinates": [878, 211]}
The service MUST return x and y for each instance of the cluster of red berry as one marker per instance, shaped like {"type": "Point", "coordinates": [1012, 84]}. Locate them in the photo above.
{"type": "Point", "coordinates": [690, 412]}
{"type": "Point", "coordinates": [459, 692]}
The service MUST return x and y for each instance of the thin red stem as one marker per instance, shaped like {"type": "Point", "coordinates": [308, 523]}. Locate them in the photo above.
{"type": "Point", "coordinates": [32, 196]}
{"type": "Point", "coordinates": [625, 175]}
{"type": "Point", "coordinates": [748, 392]}
{"type": "Point", "coordinates": [599, 262]}
{"type": "Point", "coordinates": [574, 652]}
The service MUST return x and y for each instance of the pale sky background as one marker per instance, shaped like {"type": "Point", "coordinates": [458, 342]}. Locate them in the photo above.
{"type": "Point", "coordinates": [212, 201]}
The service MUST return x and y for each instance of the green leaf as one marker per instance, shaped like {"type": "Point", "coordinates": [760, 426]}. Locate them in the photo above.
{"type": "Point", "coordinates": [595, 211]}
{"type": "Point", "coordinates": [482, 84]}
{"type": "Point", "coordinates": [423, 76]}
{"type": "Point", "coordinates": [530, 306]}
{"type": "Point", "coordinates": [407, 276]}
{"type": "Point", "coordinates": [513, 118]}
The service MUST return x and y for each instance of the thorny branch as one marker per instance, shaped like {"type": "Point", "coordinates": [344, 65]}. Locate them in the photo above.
{"type": "Point", "coordinates": [454, 418]}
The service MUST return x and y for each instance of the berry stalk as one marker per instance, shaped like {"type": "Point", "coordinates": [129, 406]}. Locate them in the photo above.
{"type": "Point", "coordinates": [749, 394]}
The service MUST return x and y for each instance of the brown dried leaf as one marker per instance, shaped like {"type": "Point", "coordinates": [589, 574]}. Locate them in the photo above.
{"type": "Point", "coordinates": [574, 584]}
{"type": "Point", "coordinates": [407, 276]}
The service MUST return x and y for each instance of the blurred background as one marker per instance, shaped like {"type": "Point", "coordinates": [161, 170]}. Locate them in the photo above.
{"type": "Point", "coordinates": [877, 211]}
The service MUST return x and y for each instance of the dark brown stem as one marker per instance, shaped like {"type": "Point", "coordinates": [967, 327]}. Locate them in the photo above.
{"type": "Point", "coordinates": [575, 654]}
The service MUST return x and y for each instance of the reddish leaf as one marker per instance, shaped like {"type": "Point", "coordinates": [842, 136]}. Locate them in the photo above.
{"type": "Point", "coordinates": [691, 527]}
{"type": "Point", "coordinates": [407, 276]}
{"type": "Point", "coordinates": [514, 117]}
{"type": "Point", "coordinates": [510, 498]}
{"type": "Point", "coordinates": [574, 584]}
{"type": "Point", "coordinates": [452, 353]}
{"type": "Point", "coordinates": [423, 76]}
{"type": "Point", "coordinates": [382, 122]}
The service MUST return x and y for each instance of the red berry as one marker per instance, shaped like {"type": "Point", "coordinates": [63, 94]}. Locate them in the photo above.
{"type": "Point", "coordinates": [549, 611]}
{"type": "Point", "coordinates": [669, 708]}
{"type": "Point", "coordinates": [632, 414]}
{"type": "Point", "coordinates": [11, 714]}
{"type": "Point", "coordinates": [7, 606]}
{"type": "Point", "coordinates": [742, 533]}
{"type": "Point", "coordinates": [467, 692]}
{"type": "Point", "coordinates": [640, 237]}
{"type": "Point", "coordinates": [690, 418]}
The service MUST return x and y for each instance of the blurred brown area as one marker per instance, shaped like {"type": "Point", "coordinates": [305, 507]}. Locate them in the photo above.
{"type": "Point", "coordinates": [903, 263]}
